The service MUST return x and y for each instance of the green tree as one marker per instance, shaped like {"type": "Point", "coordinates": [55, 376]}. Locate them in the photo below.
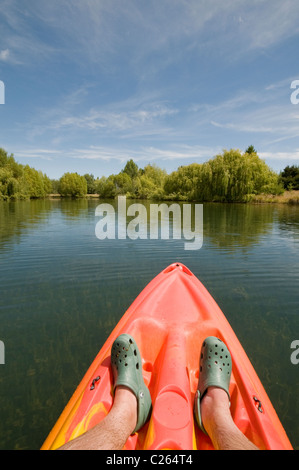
{"type": "Point", "coordinates": [250, 150]}
{"type": "Point", "coordinates": [106, 187]}
{"type": "Point", "coordinates": [131, 169]}
{"type": "Point", "coordinates": [230, 176]}
{"type": "Point", "coordinates": [3, 158]}
{"type": "Point", "coordinates": [72, 184]}
{"type": "Point", "coordinates": [289, 177]}
{"type": "Point", "coordinates": [55, 186]}
{"type": "Point", "coordinates": [184, 183]}
{"type": "Point", "coordinates": [91, 184]}
{"type": "Point", "coordinates": [150, 183]}
{"type": "Point", "coordinates": [122, 183]}
{"type": "Point", "coordinates": [36, 184]}
{"type": "Point", "coordinates": [236, 176]}
{"type": "Point", "coordinates": [20, 182]}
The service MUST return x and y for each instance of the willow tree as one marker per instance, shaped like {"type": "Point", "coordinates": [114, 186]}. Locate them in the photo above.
{"type": "Point", "coordinates": [237, 176]}
{"type": "Point", "coordinates": [230, 176]}
{"type": "Point", "coordinates": [21, 182]}
{"type": "Point", "coordinates": [184, 183]}
{"type": "Point", "coordinates": [72, 184]}
{"type": "Point", "coordinates": [150, 182]}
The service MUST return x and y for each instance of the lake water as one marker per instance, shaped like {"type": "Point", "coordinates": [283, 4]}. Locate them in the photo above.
{"type": "Point", "coordinates": [62, 290]}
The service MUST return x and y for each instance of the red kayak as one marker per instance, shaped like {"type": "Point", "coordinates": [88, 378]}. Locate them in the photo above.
{"type": "Point", "coordinates": [169, 320]}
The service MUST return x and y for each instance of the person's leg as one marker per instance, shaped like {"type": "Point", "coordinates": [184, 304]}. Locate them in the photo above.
{"type": "Point", "coordinates": [113, 431]}
{"type": "Point", "coordinates": [131, 406]}
{"type": "Point", "coordinates": [218, 422]}
{"type": "Point", "coordinates": [212, 398]}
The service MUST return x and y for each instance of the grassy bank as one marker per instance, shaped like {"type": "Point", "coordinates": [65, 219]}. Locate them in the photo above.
{"type": "Point", "coordinates": [288, 197]}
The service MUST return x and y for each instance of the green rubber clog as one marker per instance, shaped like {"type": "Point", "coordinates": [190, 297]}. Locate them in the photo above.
{"type": "Point", "coordinates": [215, 367]}
{"type": "Point", "coordinates": [127, 371]}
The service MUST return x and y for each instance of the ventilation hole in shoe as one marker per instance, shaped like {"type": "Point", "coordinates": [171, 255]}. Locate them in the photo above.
{"type": "Point", "coordinates": [137, 365]}
{"type": "Point", "coordinates": [126, 364]}
{"type": "Point", "coordinates": [209, 357]}
{"type": "Point", "coordinates": [135, 352]}
{"type": "Point", "coordinates": [200, 368]}
{"type": "Point", "coordinates": [216, 362]}
{"type": "Point", "coordinates": [220, 369]}
{"type": "Point", "coordinates": [209, 366]}
{"type": "Point", "coordinates": [220, 357]}
{"type": "Point", "coordinates": [216, 354]}
{"type": "Point", "coordinates": [204, 344]}
{"type": "Point", "coordinates": [216, 345]}
{"type": "Point", "coordinates": [130, 341]}
{"type": "Point", "coordinates": [201, 356]}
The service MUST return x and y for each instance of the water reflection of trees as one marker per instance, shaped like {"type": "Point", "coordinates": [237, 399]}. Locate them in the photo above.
{"type": "Point", "coordinates": [232, 226]}
{"type": "Point", "coordinates": [74, 208]}
{"type": "Point", "coordinates": [237, 226]}
{"type": "Point", "coordinates": [17, 217]}
{"type": "Point", "coordinates": [288, 220]}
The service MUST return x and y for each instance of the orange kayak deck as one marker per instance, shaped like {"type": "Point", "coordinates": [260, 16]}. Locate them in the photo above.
{"type": "Point", "coordinates": [169, 320]}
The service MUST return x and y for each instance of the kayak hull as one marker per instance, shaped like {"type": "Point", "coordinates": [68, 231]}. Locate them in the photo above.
{"type": "Point", "coordinates": [169, 320]}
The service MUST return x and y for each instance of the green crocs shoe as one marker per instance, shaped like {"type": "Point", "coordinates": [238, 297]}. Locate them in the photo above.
{"type": "Point", "coordinates": [127, 370]}
{"type": "Point", "coordinates": [215, 367]}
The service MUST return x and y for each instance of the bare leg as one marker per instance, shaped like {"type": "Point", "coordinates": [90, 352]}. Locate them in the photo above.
{"type": "Point", "coordinates": [218, 422]}
{"type": "Point", "coordinates": [113, 432]}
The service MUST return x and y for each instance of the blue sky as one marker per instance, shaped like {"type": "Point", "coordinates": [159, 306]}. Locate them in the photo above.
{"type": "Point", "coordinates": [90, 84]}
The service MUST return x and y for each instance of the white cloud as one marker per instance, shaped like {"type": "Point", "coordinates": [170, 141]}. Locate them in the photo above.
{"type": "Point", "coordinates": [116, 120]}
{"type": "Point", "coordinates": [146, 154]}
{"type": "Point", "coordinates": [4, 55]}
{"type": "Point", "coordinates": [99, 31]}
{"type": "Point", "coordinates": [44, 154]}
{"type": "Point", "coordinates": [282, 156]}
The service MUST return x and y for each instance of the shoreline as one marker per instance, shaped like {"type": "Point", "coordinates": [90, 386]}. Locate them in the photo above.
{"type": "Point", "coordinates": [288, 197]}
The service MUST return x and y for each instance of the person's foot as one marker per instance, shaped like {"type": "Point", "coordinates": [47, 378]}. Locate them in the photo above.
{"type": "Point", "coordinates": [127, 372]}
{"type": "Point", "coordinates": [215, 366]}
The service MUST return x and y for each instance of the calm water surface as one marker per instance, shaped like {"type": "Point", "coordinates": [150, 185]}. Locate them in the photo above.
{"type": "Point", "coordinates": [62, 291]}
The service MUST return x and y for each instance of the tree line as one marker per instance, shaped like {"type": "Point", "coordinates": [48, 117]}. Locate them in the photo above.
{"type": "Point", "coordinates": [21, 181]}
{"type": "Point", "coordinates": [232, 176]}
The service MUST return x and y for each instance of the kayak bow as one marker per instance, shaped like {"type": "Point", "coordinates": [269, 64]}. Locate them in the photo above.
{"type": "Point", "coordinates": [169, 321]}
